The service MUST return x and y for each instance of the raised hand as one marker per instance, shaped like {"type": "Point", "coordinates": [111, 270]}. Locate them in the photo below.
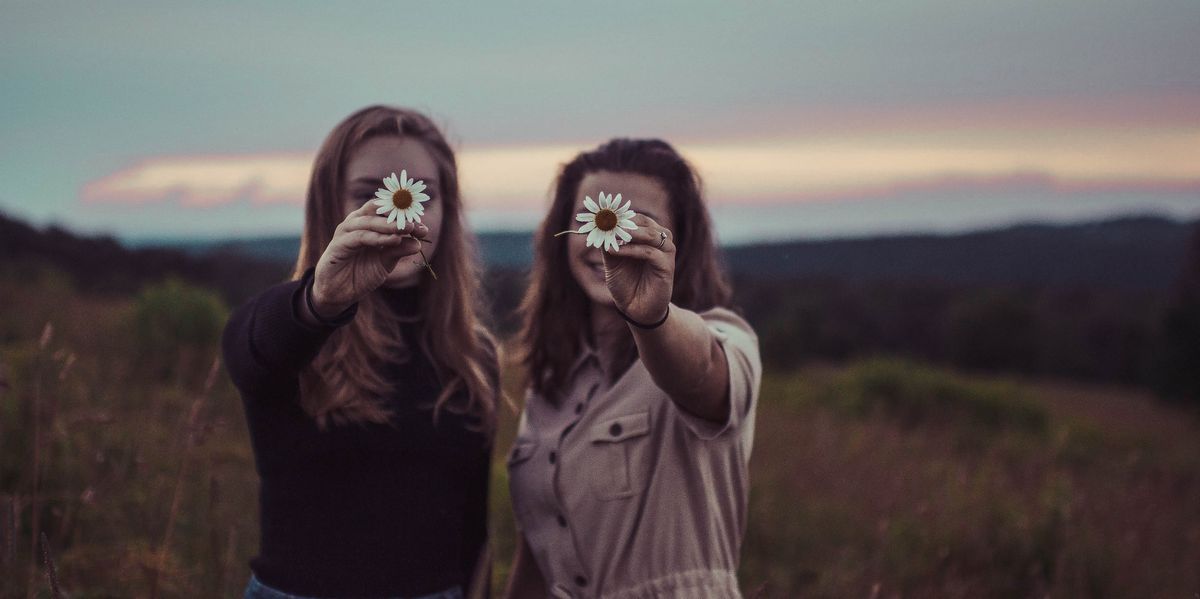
{"type": "Point", "coordinates": [641, 274]}
{"type": "Point", "coordinates": [364, 250]}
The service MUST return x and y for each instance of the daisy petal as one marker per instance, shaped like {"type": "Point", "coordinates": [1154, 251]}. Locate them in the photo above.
{"type": "Point", "coordinates": [626, 206]}
{"type": "Point", "coordinates": [417, 187]}
{"type": "Point", "coordinates": [391, 183]}
{"type": "Point", "coordinates": [383, 202]}
{"type": "Point", "coordinates": [594, 237]}
{"type": "Point", "coordinates": [420, 197]}
{"type": "Point", "coordinates": [382, 209]}
{"type": "Point", "coordinates": [587, 227]}
{"type": "Point", "coordinates": [590, 204]}
{"type": "Point", "coordinates": [392, 216]}
{"type": "Point", "coordinates": [383, 194]}
{"type": "Point", "coordinates": [605, 201]}
{"type": "Point", "coordinates": [627, 224]}
{"type": "Point", "coordinates": [623, 234]}
{"type": "Point", "coordinates": [403, 178]}
{"type": "Point", "coordinates": [585, 217]}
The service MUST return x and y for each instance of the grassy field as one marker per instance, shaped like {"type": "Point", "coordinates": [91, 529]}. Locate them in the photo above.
{"type": "Point", "coordinates": [877, 478]}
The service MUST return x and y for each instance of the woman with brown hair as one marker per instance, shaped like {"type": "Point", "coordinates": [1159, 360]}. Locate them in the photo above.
{"type": "Point", "coordinates": [628, 473]}
{"type": "Point", "coordinates": [369, 386]}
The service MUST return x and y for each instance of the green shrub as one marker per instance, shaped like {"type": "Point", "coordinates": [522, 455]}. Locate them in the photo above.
{"type": "Point", "coordinates": [177, 326]}
{"type": "Point", "coordinates": [913, 394]}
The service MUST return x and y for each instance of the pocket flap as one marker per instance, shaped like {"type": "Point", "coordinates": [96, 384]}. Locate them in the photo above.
{"type": "Point", "coordinates": [620, 428]}
{"type": "Point", "coordinates": [521, 451]}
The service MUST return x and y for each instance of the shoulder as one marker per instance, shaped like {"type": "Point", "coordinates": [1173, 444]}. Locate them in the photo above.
{"type": "Point", "coordinates": [737, 338]}
{"type": "Point", "coordinates": [725, 322]}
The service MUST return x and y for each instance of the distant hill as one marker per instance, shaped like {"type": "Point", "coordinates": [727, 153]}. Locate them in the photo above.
{"type": "Point", "coordinates": [1094, 301]}
{"type": "Point", "coordinates": [511, 250]}
{"type": "Point", "coordinates": [1133, 253]}
{"type": "Point", "coordinates": [103, 265]}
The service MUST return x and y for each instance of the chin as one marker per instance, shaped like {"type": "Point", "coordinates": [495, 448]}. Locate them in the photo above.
{"type": "Point", "coordinates": [402, 277]}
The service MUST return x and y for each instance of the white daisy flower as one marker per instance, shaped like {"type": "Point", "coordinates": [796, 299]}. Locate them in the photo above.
{"type": "Point", "coordinates": [606, 221]}
{"type": "Point", "coordinates": [402, 199]}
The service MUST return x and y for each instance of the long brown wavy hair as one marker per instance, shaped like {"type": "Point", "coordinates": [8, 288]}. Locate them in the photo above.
{"type": "Point", "coordinates": [554, 304]}
{"type": "Point", "coordinates": [346, 382]}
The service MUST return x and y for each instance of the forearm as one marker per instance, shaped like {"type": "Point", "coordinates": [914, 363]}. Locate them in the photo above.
{"type": "Point", "coordinates": [685, 359]}
{"type": "Point", "coordinates": [267, 341]}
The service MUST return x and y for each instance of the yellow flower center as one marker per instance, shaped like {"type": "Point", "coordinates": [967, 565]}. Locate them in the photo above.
{"type": "Point", "coordinates": [606, 220]}
{"type": "Point", "coordinates": [401, 199]}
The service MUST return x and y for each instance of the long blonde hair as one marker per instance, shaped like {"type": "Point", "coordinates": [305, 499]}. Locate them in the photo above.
{"type": "Point", "coordinates": [346, 381]}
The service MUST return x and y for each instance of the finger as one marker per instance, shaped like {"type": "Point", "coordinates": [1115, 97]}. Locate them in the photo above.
{"type": "Point", "coordinates": [650, 235]}
{"type": "Point", "coordinates": [418, 230]}
{"type": "Point", "coordinates": [407, 247]}
{"type": "Point", "coordinates": [642, 221]}
{"type": "Point", "coordinates": [637, 252]}
{"type": "Point", "coordinates": [652, 238]}
{"type": "Point", "coordinates": [379, 224]}
{"type": "Point", "coordinates": [368, 222]}
{"type": "Point", "coordinates": [370, 207]}
{"type": "Point", "coordinates": [362, 238]}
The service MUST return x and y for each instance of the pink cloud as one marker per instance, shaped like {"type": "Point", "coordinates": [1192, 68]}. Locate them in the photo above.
{"type": "Point", "coordinates": [830, 167]}
{"type": "Point", "coordinates": [1022, 181]}
{"type": "Point", "coordinates": [202, 181]}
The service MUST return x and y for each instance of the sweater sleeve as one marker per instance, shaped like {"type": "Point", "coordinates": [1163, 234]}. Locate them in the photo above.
{"type": "Point", "coordinates": [266, 345]}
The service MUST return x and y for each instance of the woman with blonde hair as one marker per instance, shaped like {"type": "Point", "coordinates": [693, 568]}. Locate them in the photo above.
{"type": "Point", "coordinates": [628, 473]}
{"type": "Point", "coordinates": [369, 385]}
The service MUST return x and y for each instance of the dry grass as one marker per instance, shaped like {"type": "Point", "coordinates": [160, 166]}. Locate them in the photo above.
{"type": "Point", "coordinates": [860, 486]}
{"type": "Point", "coordinates": [888, 507]}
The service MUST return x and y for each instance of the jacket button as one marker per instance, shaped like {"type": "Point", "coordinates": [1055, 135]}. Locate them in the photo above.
{"type": "Point", "coordinates": [553, 457]}
{"type": "Point", "coordinates": [578, 408]}
{"type": "Point", "coordinates": [581, 581]}
{"type": "Point", "coordinates": [615, 429]}
{"type": "Point", "coordinates": [562, 521]}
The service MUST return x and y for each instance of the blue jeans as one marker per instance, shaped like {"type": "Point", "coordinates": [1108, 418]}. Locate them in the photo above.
{"type": "Point", "coordinates": [255, 589]}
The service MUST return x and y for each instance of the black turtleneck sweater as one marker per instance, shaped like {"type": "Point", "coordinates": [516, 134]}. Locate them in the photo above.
{"type": "Point", "coordinates": [354, 510]}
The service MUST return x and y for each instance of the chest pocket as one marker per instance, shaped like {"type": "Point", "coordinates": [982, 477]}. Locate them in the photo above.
{"type": "Point", "coordinates": [622, 448]}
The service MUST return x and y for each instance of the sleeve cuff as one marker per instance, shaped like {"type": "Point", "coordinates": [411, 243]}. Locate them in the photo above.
{"type": "Point", "coordinates": [740, 345]}
{"type": "Point", "coordinates": [306, 286]}
{"type": "Point", "coordinates": [280, 337]}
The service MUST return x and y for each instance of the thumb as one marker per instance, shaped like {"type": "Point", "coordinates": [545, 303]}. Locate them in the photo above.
{"type": "Point", "coordinates": [390, 256]}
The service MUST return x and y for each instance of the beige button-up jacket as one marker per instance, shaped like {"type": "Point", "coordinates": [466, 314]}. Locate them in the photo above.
{"type": "Point", "coordinates": [621, 494]}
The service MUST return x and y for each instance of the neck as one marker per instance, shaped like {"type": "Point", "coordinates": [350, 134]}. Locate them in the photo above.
{"type": "Point", "coordinates": [609, 333]}
{"type": "Point", "coordinates": [404, 302]}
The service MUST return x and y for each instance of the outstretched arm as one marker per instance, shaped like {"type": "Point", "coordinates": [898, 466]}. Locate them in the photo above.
{"type": "Point", "coordinates": [682, 354]}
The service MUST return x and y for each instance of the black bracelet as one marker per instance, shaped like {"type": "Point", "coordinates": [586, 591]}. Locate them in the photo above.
{"type": "Point", "coordinates": [340, 319]}
{"type": "Point", "coordinates": [646, 326]}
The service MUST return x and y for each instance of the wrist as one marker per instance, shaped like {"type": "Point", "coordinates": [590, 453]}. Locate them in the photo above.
{"type": "Point", "coordinates": [646, 326]}
{"type": "Point", "coordinates": [321, 309]}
